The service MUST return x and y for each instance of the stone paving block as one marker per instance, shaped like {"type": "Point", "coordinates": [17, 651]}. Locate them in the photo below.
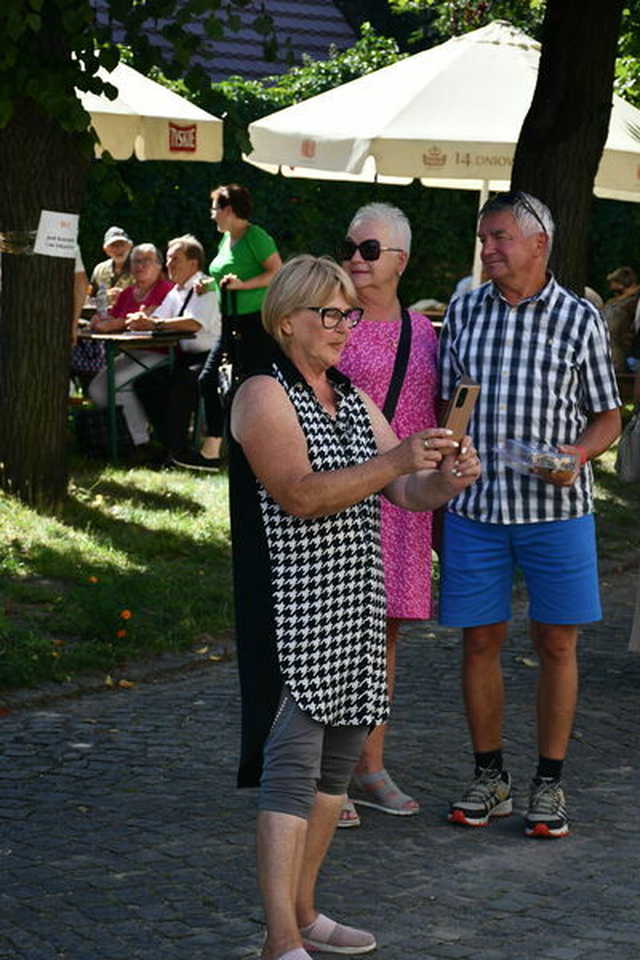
{"type": "Point", "coordinates": [573, 952]}
{"type": "Point", "coordinates": [452, 951]}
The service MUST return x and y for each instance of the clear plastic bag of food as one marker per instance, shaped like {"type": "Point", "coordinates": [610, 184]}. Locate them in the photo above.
{"type": "Point", "coordinates": [538, 460]}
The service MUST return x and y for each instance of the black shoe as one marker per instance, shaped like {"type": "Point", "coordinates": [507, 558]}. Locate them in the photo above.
{"type": "Point", "coordinates": [193, 460]}
{"type": "Point", "coordinates": [147, 455]}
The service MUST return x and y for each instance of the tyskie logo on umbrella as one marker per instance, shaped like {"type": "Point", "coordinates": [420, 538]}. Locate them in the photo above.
{"type": "Point", "coordinates": [182, 139]}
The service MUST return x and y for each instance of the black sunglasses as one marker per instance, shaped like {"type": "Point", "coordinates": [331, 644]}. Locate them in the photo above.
{"type": "Point", "coordinates": [513, 197]}
{"type": "Point", "coordinates": [330, 317]}
{"type": "Point", "coordinates": [369, 249]}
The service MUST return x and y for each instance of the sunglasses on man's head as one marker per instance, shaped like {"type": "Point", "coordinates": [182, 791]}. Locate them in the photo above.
{"type": "Point", "coordinates": [369, 249]}
{"type": "Point", "coordinates": [513, 197]}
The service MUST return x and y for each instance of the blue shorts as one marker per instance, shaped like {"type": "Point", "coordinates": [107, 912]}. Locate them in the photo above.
{"type": "Point", "coordinates": [558, 559]}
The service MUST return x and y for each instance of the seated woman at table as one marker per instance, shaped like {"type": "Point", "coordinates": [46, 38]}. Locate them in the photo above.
{"type": "Point", "coordinates": [147, 293]}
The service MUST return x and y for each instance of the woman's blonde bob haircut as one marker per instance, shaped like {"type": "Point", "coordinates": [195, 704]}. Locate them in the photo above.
{"type": "Point", "coordinates": [304, 281]}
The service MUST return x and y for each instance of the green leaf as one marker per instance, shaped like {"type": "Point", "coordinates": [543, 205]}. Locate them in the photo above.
{"type": "Point", "coordinates": [6, 111]}
{"type": "Point", "coordinates": [214, 29]}
{"type": "Point", "coordinates": [263, 24]}
{"type": "Point", "coordinates": [109, 57]}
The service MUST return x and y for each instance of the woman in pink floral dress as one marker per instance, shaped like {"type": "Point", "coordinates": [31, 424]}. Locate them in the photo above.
{"type": "Point", "coordinates": [375, 254]}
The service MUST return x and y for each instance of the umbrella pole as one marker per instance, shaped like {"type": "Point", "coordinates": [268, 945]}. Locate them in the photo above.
{"type": "Point", "coordinates": [477, 264]}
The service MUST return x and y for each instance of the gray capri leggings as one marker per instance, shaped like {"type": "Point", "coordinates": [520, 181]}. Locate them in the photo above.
{"type": "Point", "coordinates": [302, 756]}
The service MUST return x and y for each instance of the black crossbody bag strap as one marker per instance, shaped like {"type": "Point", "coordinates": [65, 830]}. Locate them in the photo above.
{"type": "Point", "coordinates": [185, 302]}
{"type": "Point", "coordinates": [399, 367]}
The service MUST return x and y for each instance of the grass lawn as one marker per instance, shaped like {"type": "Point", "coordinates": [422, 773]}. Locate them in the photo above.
{"type": "Point", "coordinates": [139, 563]}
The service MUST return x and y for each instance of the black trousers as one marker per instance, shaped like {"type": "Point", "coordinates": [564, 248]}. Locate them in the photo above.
{"type": "Point", "coordinates": [208, 385]}
{"type": "Point", "coordinates": [249, 347]}
{"type": "Point", "coordinates": [170, 397]}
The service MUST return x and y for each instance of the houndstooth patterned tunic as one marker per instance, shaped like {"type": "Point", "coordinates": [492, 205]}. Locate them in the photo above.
{"type": "Point", "coordinates": [326, 608]}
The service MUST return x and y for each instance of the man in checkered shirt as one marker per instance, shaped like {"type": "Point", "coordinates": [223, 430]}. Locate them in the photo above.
{"type": "Point", "coordinates": [541, 356]}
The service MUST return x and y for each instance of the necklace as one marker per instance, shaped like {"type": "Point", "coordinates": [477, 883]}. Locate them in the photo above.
{"type": "Point", "coordinates": [140, 295]}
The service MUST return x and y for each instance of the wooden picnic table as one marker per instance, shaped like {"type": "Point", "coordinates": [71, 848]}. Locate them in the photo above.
{"type": "Point", "coordinates": [128, 342]}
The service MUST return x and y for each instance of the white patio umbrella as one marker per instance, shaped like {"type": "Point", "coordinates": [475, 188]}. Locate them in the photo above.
{"type": "Point", "coordinates": [150, 121]}
{"type": "Point", "coordinates": [450, 115]}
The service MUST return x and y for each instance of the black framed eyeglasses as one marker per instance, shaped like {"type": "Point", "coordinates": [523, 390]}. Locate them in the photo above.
{"type": "Point", "coordinates": [330, 317]}
{"type": "Point", "coordinates": [511, 198]}
{"type": "Point", "coordinates": [369, 249]}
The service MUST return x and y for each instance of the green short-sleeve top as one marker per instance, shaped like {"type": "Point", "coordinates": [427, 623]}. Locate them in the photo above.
{"type": "Point", "coordinates": [245, 258]}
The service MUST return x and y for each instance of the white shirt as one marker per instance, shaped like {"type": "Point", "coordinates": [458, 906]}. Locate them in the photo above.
{"type": "Point", "coordinates": [202, 308]}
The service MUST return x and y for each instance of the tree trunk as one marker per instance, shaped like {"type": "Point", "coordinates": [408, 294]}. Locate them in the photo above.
{"type": "Point", "coordinates": [565, 130]}
{"type": "Point", "coordinates": [42, 167]}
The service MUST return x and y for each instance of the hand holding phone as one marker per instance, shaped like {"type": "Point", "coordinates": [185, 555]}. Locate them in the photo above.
{"type": "Point", "coordinates": [460, 407]}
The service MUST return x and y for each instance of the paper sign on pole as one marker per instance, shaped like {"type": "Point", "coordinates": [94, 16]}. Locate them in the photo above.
{"type": "Point", "coordinates": [57, 234]}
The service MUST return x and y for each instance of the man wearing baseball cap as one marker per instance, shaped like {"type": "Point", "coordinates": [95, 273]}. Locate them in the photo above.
{"type": "Point", "coordinates": [113, 273]}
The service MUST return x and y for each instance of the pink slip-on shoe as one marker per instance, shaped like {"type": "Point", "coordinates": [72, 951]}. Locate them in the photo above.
{"type": "Point", "coordinates": [327, 936]}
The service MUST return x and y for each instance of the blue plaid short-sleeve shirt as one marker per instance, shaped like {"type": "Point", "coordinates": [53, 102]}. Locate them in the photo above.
{"type": "Point", "coordinates": [543, 367]}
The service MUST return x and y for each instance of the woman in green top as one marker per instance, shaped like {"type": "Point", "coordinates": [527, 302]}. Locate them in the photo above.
{"type": "Point", "coordinates": [245, 264]}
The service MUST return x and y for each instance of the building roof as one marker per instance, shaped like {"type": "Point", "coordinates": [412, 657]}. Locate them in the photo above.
{"type": "Point", "coordinates": [301, 27]}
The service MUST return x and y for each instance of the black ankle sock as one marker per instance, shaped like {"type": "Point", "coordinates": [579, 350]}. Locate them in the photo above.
{"type": "Point", "coordinates": [488, 760]}
{"type": "Point", "coordinates": [548, 769]}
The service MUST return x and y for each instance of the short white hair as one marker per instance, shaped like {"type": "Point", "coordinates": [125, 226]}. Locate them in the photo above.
{"type": "Point", "coordinates": [392, 217]}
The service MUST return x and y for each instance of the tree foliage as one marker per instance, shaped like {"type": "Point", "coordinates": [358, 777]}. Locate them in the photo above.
{"type": "Point", "coordinates": [454, 17]}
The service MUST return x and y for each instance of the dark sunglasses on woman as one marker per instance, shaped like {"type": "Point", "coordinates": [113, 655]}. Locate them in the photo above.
{"type": "Point", "coordinates": [369, 249]}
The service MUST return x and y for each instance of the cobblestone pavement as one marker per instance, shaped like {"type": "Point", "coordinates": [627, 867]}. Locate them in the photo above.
{"type": "Point", "coordinates": [123, 835]}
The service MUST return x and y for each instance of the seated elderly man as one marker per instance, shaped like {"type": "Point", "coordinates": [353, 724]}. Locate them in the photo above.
{"type": "Point", "coordinates": [170, 394]}
{"type": "Point", "coordinates": [114, 273]}
{"type": "Point", "coordinates": [147, 292]}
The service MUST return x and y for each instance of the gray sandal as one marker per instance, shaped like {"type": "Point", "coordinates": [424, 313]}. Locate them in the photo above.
{"type": "Point", "coordinates": [379, 791]}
